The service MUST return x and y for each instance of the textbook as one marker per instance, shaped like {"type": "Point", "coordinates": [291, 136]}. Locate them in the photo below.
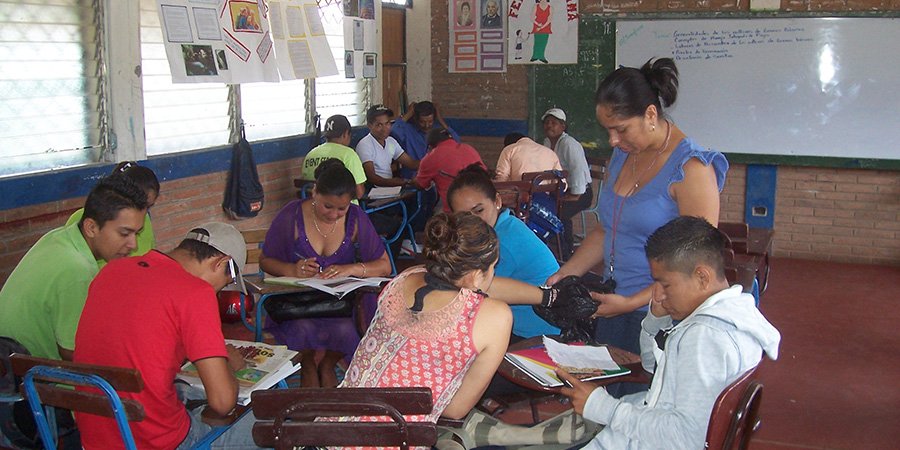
{"type": "Point", "coordinates": [266, 365]}
{"type": "Point", "coordinates": [582, 361]}
{"type": "Point", "coordinates": [384, 192]}
{"type": "Point", "coordinates": [338, 287]}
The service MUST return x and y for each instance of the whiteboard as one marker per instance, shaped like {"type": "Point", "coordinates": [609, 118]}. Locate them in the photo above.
{"type": "Point", "coordinates": [780, 86]}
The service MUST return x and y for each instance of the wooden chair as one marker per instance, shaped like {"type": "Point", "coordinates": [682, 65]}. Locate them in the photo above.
{"type": "Point", "coordinates": [735, 414]}
{"type": "Point", "coordinates": [598, 172]}
{"type": "Point", "coordinates": [751, 250]}
{"type": "Point", "coordinates": [516, 196]}
{"type": "Point", "coordinates": [552, 183]}
{"type": "Point", "coordinates": [286, 419]}
{"type": "Point", "coordinates": [46, 381]}
{"type": "Point", "coordinates": [304, 187]}
{"type": "Point", "coordinates": [49, 382]}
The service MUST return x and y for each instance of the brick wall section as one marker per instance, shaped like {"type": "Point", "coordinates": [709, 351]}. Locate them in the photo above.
{"type": "Point", "coordinates": [821, 213]}
{"type": "Point", "coordinates": [838, 215]}
{"type": "Point", "coordinates": [183, 203]}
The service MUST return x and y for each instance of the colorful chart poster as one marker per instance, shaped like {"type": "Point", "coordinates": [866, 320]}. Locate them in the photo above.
{"type": "Point", "coordinates": [217, 41]}
{"type": "Point", "coordinates": [477, 35]}
{"type": "Point", "coordinates": [543, 32]}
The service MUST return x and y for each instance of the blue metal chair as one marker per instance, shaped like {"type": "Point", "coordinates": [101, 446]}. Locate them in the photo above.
{"type": "Point", "coordinates": [48, 382]}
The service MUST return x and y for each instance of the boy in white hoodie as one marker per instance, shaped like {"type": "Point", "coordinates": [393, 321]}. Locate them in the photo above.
{"type": "Point", "coordinates": [698, 337]}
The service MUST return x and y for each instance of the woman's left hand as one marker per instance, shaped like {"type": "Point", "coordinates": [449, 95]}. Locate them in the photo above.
{"type": "Point", "coordinates": [336, 271]}
{"type": "Point", "coordinates": [611, 305]}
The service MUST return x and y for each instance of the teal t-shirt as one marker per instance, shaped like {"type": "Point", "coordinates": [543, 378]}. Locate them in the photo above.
{"type": "Point", "coordinates": [525, 258]}
{"type": "Point", "coordinates": [41, 302]}
{"type": "Point", "coordinates": [146, 241]}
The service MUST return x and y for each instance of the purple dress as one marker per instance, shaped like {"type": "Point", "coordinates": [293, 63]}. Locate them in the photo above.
{"type": "Point", "coordinates": [286, 241]}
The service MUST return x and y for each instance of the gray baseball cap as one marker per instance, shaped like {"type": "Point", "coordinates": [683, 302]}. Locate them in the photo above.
{"type": "Point", "coordinates": [228, 240]}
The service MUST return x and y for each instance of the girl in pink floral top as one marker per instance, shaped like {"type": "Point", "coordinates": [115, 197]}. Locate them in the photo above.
{"type": "Point", "coordinates": [435, 326]}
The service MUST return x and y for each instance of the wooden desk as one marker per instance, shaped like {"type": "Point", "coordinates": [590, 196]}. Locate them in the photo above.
{"type": "Point", "coordinates": [623, 357]}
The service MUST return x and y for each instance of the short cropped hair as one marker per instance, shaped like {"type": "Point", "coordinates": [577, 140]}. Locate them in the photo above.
{"type": "Point", "coordinates": [111, 195]}
{"type": "Point", "coordinates": [437, 135]}
{"type": "Point", "coordinates": [512, 138]}
{"type": "Point", "coordinates": [685, 242]}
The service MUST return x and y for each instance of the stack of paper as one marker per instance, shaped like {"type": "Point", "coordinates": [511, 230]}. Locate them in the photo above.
{"type": "Point", "coordinates": [266, 366]}
{"type": "Point", "coordinates": [582, 361]}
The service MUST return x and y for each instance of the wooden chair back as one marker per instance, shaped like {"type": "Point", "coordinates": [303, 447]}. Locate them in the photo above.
{"type": "Point", "coordinates": [54, 393]}
{"type": "Point", "coordinates": [286, 418]}
{"type": "Point", "coordinates": [254, 240]}
{"type": "Point", "coordinates": [515, 195]}
{"type": "Point", "coordinates": [304, 187]}
{"type": "Point", "coordinates": [551, 182]}
{"type": "Point", "coordinates": [735, 414]}
{"type": "Point", "coordinates": [737, 234]}
{"type": "Point", "coordinates": [597, 167]}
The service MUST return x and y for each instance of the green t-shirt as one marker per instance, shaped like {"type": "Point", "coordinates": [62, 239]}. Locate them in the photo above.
{"type": "Point", "coordinates": [146, 241]}
{"type": "Point", "coordinates": [41, 302]}
{"type": "Point", "coordinates": [333, 150]}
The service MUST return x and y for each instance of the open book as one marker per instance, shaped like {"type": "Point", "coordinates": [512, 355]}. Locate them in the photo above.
{"type": "Point", "coordinates": [384, 192]}
{"type": "Point", "coordinates": [337, 287]}
{"type": "Point", "coordinates": [584, 362]}
{"type": "Point", "coordinates": [266, 366]}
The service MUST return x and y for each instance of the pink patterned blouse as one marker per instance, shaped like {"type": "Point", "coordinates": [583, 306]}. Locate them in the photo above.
{"type": "Point", "coordinates": [403, 348]}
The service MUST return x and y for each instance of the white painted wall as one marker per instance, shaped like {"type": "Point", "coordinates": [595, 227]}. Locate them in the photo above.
{"type": "Point", "coordinates": [418, 50]}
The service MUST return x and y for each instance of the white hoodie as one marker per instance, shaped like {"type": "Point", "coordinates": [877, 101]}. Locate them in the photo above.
{"type": "Point", "coordinates": [723, 338]}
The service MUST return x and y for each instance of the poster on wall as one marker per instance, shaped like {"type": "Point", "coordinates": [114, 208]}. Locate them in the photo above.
{"type": "Point", "coordinates": [299, 37]}
{"type": "Point", "coordinates": [543, 32]}
{"type": "Point", "coordinates": [215, 41]}
{"type": "Point", "coordinates": [477, 36]}
{"type": "Point", "coordinates": [359, 40]}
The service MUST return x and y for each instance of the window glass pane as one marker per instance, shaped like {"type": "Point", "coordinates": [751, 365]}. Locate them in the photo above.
{"type": "Point", "coordinates": [272, 110]}
{"type": "Point", "coordinates": [177, 117]}
{"type": "Point", "coordinates": [48, 99]}
{"type": "Point", "coordinates": [336, 94]}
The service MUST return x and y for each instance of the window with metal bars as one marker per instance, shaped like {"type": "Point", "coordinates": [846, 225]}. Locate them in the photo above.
{"type": "Point", "coordinates": [54, 96]}
{"type": "Point", "coordinates": [52, 87]}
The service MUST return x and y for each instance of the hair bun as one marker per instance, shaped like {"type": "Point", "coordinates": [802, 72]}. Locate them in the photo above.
{"type": "Point", "coordinates": [440, 234]}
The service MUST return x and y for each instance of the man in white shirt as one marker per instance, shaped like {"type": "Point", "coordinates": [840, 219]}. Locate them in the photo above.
{"type": "Point", "coordinates": [573, 160]}
{"type": "Point", "coordinates": [378, 150]}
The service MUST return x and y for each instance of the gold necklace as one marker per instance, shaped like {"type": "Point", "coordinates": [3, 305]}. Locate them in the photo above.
{"type": "Point", "coordinates": [316, 223]}
{"type": "Point", "coordinates": [637, 178]}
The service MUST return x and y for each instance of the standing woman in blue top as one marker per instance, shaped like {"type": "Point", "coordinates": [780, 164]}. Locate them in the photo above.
{"type": "Point", "coordinates": [523, 256]}
{"type": "Point", "coordinates": [656, 173]}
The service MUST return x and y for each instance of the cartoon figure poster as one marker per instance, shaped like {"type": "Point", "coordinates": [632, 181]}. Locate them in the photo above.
{"type": "Point", "coordinates": [543, 32]}
{"type": "Point", "coordinates": [213, 41]}
{"type": "Point", "coordinates": [477, 35]}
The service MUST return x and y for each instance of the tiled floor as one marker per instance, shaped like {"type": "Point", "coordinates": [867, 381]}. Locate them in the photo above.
{"type": "Point", "coordinates": [836, 384]}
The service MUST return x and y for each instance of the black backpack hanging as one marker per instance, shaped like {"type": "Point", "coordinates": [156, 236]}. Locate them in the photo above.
{"type": "Point", "coordinates": [243, 191]}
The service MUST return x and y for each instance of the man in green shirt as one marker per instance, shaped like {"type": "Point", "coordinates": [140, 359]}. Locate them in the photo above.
{"type": "Point", "coordinates": [41, 302]}
{"type": "Point", "coordinates": [337, 141]}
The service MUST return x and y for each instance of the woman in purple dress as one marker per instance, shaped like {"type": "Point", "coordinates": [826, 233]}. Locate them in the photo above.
{"type": "Point", "coordinates": [325, 236]}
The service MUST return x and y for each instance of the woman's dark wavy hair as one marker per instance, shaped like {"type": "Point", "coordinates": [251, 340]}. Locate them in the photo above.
{"type": "Point", "coordinates": [475, 177]}
{"type": "Point", "coordinates": [628, 91]}
{"type": "Point", "coordinates": [456, 244]}
{"type": "Point", "coordinates": [332, 178]}
{"type": "Point", "coordinates": [142, 176]}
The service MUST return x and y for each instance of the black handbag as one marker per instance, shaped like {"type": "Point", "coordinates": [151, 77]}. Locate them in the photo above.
{"type": "Point", "coordinates": [307, 305]}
